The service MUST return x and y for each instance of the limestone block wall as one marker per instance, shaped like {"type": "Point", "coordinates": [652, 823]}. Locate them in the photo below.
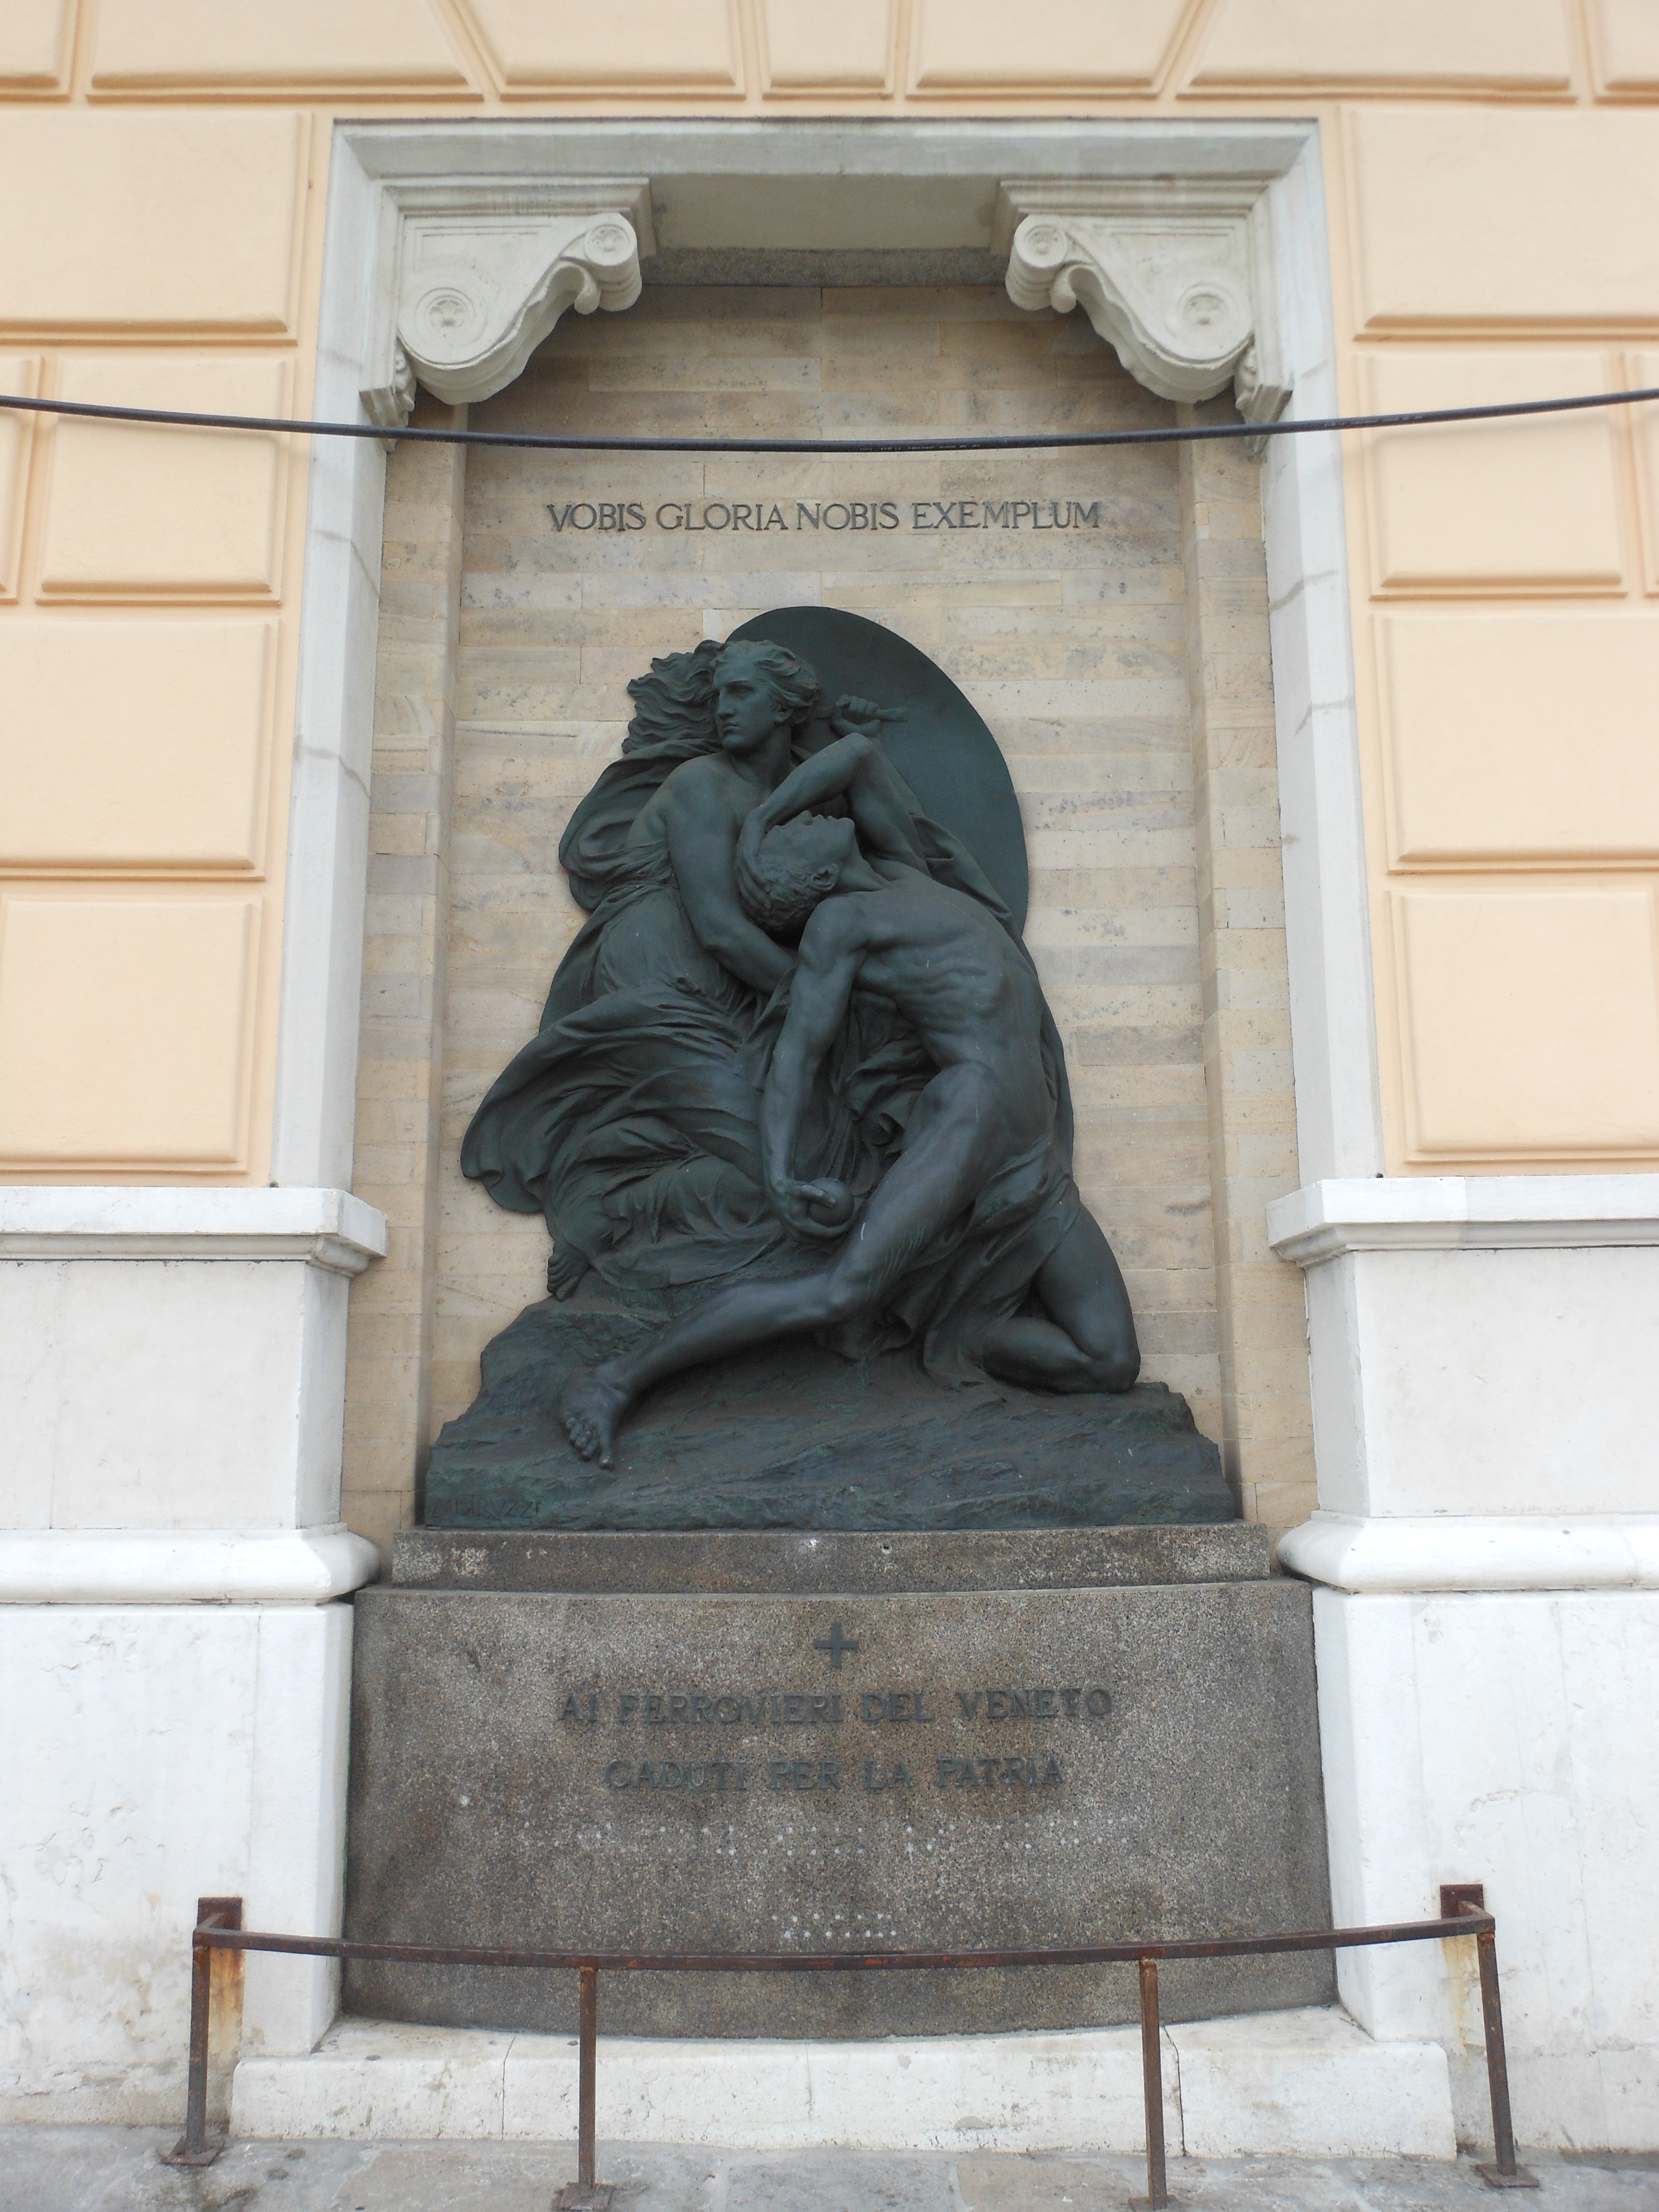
{"type": "Point", "coordinates": [1121, 663]}
{"type": "Point", "coordinates": [1069, 640]}
{"type": "Point", "coordinates": [405, 960]}
{"type": "Point", "coordinates": [1266, 1434]}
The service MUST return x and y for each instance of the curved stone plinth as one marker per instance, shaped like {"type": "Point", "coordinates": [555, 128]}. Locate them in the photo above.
{"type": "Point", "coordinates": [653, 1768]}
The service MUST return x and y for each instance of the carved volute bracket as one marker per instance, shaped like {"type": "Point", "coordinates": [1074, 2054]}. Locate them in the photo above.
{"type": "Point", "coordinates": [484, 273]}
{"type": "Point", "coordinates": [1165, 273]}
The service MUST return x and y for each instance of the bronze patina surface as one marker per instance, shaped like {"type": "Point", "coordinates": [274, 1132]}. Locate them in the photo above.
{"type": "Point", "coordinates": [798, 1119]}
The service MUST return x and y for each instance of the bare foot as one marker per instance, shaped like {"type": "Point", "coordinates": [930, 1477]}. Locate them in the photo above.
{"type": "Point", "coordinates": [566, 1267]}
{"type": "Point", "coordinates": [591, 1409]}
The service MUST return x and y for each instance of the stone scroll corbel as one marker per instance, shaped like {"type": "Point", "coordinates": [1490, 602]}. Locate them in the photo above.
{"type": "Point", "coordinates": [1166, 275]}
{"type": "Point", "coordinates": [484, 276]}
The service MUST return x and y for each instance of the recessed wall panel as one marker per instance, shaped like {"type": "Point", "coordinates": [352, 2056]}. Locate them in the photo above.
{"type": "Point", "coordinates": [134, 745]}
{"type": "Point", "coordinates": [1642, 372]}
{"type": "Point", "coordinates": [808, 46]}
{"type": "Point", "coordinates": [963, 45]}
{"type": "Point", "coordinates": [162, 44]}
{"type": "Point", "coordinates": [140, 220]}
{"type": "Point", "coordinates": [1625, 36]}
{"type": "Point", "coordinates": [623, 42]}
{"type": "Point", "coordinates": [1520, 737]}
{"type": "Point", "coordinates": [1531, 1021]}
{"type": "Point", "coordinates": [123, 1030]}
{"type": "Point", "coordinates": [1381, 45]}
{"type": "Point", "coordinates": [138, 510]}
{"type": "Point", "coordinates": [19, 373]}
{"type": "Point", "coordinates": [34, 37]}
{"type": "Point", "coordinates": [1501, 217]}
{"type": "Point", "coordinates": [1529, 503]}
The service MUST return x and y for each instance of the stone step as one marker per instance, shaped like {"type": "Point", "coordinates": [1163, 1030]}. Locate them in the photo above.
{"type": "Point", "coordinates": [1308, 2083]}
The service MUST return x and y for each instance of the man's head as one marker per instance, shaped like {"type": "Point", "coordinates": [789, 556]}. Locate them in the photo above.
{"type": "Point", "coordinates": [759, 688]}
{"type": "Point", "coordinates": [798, 864]}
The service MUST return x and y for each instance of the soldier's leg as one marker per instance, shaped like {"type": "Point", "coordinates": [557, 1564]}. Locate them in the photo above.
{"type": "Point", "coordinates": [1088, 1341]}
{"type": "Point", "coordinates": [955, 1140]}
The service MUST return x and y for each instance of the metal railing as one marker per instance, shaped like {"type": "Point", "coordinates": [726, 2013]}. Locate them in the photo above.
{"type": "Point", "coordinates": [1462, 1913]}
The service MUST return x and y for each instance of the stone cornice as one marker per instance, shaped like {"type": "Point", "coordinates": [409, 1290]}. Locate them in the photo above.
{"type": "Point", "coordinates": [1439, 1214]}
{"type": "Point", "coordinates": [1469, 1551]}
{"type": "Point", "coordinates": [484, 271]}
{"type": "Point", "coordinates": [182, 1566]}
{"type": "Point", "coordinates": [1166, 272]}
{"type": "Point", "coordinates": [329, 1228]}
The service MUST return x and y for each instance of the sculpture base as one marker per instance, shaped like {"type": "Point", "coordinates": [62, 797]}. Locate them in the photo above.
{"type": "Point", "coordinates": [748, 1742]}
{"type": "Point", "coordinates": [792, 1436]}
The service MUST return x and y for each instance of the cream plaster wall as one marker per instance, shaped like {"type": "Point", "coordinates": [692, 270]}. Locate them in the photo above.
{"type": "Point", "coordinates": [1507, 691]}
{"type": "Point", "coordinates": [1489, 171]}
{"type": "Point", "coordinates": [148, 660]}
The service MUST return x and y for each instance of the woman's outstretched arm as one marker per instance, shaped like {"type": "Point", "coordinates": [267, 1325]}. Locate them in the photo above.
{"type": "Point", "coordinates": [855, 768]}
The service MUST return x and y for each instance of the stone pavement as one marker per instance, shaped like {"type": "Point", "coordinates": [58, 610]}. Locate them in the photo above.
{"type": "Point", "coordinates": [118, 2169]}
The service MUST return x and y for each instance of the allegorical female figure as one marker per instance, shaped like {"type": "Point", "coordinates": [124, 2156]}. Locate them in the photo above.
{"type": "Point", "coordinates": [631, 1121]}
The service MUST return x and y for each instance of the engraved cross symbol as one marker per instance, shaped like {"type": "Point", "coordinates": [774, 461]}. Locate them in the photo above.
{"type": "Point", "coordinates": [835, 1644]}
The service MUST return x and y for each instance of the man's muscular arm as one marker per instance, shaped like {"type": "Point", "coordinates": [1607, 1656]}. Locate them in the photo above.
{"type": "Point", "coordinates": [701, 852]}
{"type": "Point", "coordinates": [831, 951]}
{"type": "Point", "coordinates": [854, 768]}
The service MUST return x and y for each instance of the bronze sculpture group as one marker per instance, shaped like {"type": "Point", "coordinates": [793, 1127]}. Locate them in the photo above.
{"type": "Point", "coordinates": [796, 1073]}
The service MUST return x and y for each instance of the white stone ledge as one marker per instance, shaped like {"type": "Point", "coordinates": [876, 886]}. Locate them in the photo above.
{"type": "Point", "coordinates": [825, 150]}
{"type": "Point", "coordinates": [1469, 1551]}
{"type": "Point", "coordinates": [330, 1228]}
{"type": "Point", "coordinates": [1441, 1213]}
{"type": "Point", "coordinates": [186, 1566]}
{"type": "Point", "coordinates": [1308, 2081]}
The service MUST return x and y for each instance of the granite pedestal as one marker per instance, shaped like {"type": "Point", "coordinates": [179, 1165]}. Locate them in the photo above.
{"type": "Point", "coordinates": [775, 1741]}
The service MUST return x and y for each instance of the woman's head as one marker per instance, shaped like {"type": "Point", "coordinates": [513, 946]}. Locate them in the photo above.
{"type": "Point", "coordinates": [756, 685]}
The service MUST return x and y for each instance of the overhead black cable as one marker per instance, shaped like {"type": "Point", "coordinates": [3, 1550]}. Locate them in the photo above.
{"type": "Point", "coordinates": [583, 442]}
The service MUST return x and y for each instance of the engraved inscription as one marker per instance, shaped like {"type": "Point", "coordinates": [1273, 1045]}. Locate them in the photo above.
{"type": "Point", "coordinates": [811, 516]}
{"type": "Point", "coordinates": [1012, 1767]}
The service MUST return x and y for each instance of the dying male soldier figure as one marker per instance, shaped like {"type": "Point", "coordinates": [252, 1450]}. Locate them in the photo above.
{"type": "Point", "coordinates": [978, 1211]}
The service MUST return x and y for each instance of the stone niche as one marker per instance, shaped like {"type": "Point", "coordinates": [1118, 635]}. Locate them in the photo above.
{"type": "Point", "coordinates": [1105, 611]}
{"type": "Point", "coordinates": [1052, 1736]}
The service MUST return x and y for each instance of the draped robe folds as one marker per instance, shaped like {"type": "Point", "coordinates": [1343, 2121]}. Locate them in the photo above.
{"type": "Point", "coordinates": [632, 1120]}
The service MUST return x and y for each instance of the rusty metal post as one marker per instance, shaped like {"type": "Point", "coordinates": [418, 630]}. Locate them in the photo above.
{"type": "Point", "coordinates": [196, 2146]}
{"type": "Point", "coordinates": [1152, 2070]}
{"type": "Point", "coordinates": [587, 2195]}
{"type": "Point", "coordinates": [586, 2097]}
{"type": "Point", "coordinates": [1503, 2173]}
{"type": "Point", "coordinates": [219, 1927]}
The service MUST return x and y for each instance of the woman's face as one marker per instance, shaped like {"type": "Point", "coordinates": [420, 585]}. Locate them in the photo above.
{"type": "Point", "coordinates": [747, 710]}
